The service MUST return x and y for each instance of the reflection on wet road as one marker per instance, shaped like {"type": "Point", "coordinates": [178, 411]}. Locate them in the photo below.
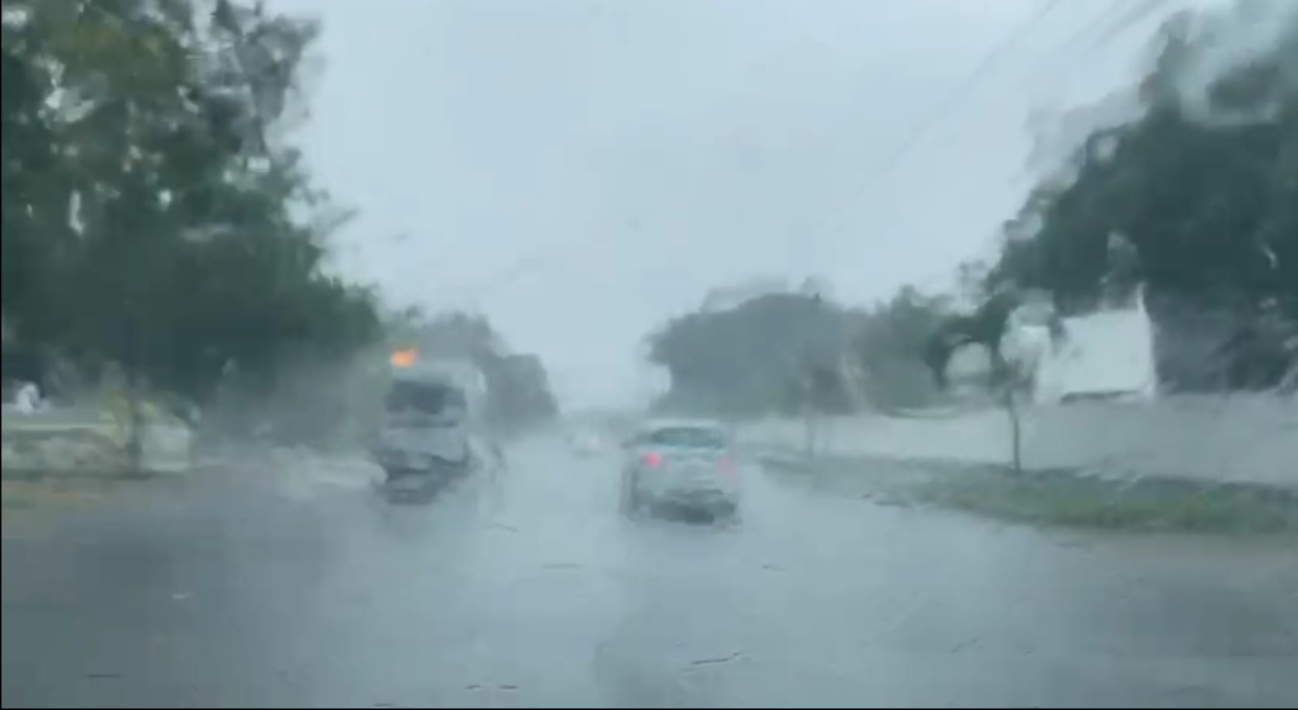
{"type": "Point", "coordinates": [287, 587]}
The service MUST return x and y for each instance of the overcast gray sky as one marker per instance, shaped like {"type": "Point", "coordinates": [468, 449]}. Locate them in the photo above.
{"type": "Point", "coordinates": [580, 171]}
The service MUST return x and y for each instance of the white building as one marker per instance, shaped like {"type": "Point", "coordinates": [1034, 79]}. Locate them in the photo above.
{"type": "Point", "coordinates": [1105, 354]}
{"type": "Point", "coordinates": [1102, 355]}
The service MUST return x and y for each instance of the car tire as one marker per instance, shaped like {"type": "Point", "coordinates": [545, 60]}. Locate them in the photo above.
{"type": "Point", "coordinates": [728, 513]}
{"type": "Point", "coordinates": [632, 504]}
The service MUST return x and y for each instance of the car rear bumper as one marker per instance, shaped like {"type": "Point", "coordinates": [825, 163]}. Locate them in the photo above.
{"type": "Point", "coordinates": [695, 498]}
{"type": "Point", "coordinates": [398, 463]}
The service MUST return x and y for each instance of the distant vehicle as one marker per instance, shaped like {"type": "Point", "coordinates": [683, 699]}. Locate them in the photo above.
{"type": "Point", "coordinates": [680, 463]}
{"type": "Point", "coordinates": [424, 439]}
{"type": "Point", "coordinates": [586, 443]}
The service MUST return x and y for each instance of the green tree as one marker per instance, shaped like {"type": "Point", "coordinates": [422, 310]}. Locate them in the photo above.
{"type": "Point", "coordinates": [1203, 186]}
{"type": "Point", "coordinates": [891, 341]}
{"type": "Point", "coordinates": [794, 353]}
{"type": "Point", "coordinates": [151, 213]}
{"type": "Point", "coordinates": [756, 358]}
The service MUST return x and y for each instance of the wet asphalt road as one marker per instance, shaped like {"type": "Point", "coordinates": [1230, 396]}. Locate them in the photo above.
{"type": "Point", "coordinates": [290, 583]}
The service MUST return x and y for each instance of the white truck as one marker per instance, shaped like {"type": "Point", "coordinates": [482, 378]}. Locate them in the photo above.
{"type": "Point", "coordinates": [432, 414]}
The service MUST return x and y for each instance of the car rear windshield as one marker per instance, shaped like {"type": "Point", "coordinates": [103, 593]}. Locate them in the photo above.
{"type": "Point", "coordinates": [688, 437]}
{"type": "Point", "coordinates": [421, 397]}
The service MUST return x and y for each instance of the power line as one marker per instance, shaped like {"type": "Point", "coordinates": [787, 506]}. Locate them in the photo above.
{"type": "Point", "coordinates": [1103, 34]}
{"type": "Point", "coordinates": [1133, 16]}
{"type": "Point", "coordinates": [960, 93]}
{"type": "Point", "coordinates": [1100, 33]}
{"type": "Point", "coordinates": [1057, 71]}
{"type": "Point", "coordinates": [523, 266]}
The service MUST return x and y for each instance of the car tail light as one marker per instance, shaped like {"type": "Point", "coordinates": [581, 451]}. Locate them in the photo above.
{"type": "Point", "coordinates": [726, 465]}
{"type": "Point", "coordinates": [652, 459]}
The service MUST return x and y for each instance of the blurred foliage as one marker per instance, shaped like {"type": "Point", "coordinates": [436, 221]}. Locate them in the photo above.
{"type": "Point", "coordinates": [755, 358]}
{"type": "Point", "coordinates": [1203, 187]}
{"type": "Point", "coordinates": [790, 353]}
{"type": "Point", "coordinates": [151, 216]}
{"type": "Point", "coordinates": [891, 339]}
{"type": "Point", "coordinates": [984, 328]}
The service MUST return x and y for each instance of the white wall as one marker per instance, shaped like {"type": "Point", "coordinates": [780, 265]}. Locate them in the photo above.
{"type": "Point", "coordinates": [1245, 438]}
{"type": "Point", "coordinates": [94, 447]}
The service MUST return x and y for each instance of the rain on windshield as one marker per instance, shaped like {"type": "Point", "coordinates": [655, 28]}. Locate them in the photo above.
{"type": "Point", "coordinates": [795, 354]}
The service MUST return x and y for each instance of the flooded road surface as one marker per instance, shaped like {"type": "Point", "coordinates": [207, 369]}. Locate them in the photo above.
{"type": "Point", "coordinates": [286, 584]}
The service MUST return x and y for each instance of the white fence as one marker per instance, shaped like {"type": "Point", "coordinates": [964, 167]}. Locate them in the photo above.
{"type": "Point", "coordinates": [1241, 438]}
{"type": "Point", "coordinates": [88, 443]}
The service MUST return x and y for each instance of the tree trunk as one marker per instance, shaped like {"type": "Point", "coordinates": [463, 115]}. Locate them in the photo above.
{"type": "Point", "coordinates": [1016, 430]}
{"type": "Point", "coordinates": [134, 420]}
{"type": "Point", "coordinates": [1003, 376]}
{"type": "Point", "coordinates": [809, 432]}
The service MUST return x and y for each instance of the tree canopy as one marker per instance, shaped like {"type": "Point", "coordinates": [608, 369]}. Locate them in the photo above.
{"type": "Point", "coordinates": [785, 352]}
{"type": "Point", "coordinates": [153, 214]}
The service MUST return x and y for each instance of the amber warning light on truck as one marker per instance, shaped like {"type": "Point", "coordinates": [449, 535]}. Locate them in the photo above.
{"type": "Point", "coordinates": [404, 358]}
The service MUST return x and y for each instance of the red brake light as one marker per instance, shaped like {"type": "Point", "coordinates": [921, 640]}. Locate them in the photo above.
{"type": "Point", "coordinates": [652, 459]}
{"type": "Point", "coordinates": [726, 464]}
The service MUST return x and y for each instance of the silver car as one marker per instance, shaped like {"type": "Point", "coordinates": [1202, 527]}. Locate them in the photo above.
{"type": "Point", "coordinates": [681, 463]}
